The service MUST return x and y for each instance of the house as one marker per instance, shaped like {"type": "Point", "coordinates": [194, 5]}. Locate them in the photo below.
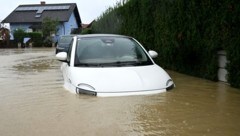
{"type": "Point", "coordinates": [30, 17]}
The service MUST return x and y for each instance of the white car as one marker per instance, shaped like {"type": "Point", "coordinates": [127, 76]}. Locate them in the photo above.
{"type": "Point", "coordinates": [111, 65]}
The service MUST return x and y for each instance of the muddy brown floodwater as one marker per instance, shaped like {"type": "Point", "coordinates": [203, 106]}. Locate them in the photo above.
{"type": "Point", "coordinates": [33, 102]}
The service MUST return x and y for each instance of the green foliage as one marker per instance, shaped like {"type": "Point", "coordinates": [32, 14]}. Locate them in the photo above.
{"type": "Point", "coordinates": [47, 42]}
{"type": "Point", "coordinates": [86, 31]}
{"type": "Point", "coordinates": [230, 37]}
{"type": "Point", "coordinates": [19, 34]}
{"type": "Point", "coordinates": [36, 38]}
{"type": "Point", "coordinates": [49, 27]}
{"type": "Point", "coordinates": [186, 34]}
{"type": "Point", "coordinates": [109, 22]}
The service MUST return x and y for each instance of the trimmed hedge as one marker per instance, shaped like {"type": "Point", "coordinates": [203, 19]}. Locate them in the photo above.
{"type": "Point", "coordinates": [186, 34]}
{"type": "Point", "coordinates": [19, 35]}
{"type": "Point", "coordinates": [36, 37]}
{"type": "Point", "coordinates": [86, 31]}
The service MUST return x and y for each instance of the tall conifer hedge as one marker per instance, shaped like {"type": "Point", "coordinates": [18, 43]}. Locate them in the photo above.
{"type": "Point", "coordinates": [186, 34]}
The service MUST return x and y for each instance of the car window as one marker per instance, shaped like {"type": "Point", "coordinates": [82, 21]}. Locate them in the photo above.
{"type": "Point", "coordinates": [65, 39]}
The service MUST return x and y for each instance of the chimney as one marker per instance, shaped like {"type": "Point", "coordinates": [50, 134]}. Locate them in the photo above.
{"type": "Point", "coordinates": [42, 2]}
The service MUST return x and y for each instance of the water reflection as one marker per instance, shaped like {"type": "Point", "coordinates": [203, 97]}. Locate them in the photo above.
{"type": "Point", "coordinates": [34, 102]}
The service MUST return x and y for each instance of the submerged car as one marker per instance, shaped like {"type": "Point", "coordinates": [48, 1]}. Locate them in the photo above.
{"type": "Point", "coordinates": [111, 65]}
{"type": "Point", "coordinates": [64, 43]}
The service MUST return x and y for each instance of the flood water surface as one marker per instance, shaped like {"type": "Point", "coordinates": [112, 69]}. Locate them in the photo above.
{"type": "Point", "coordinates": [33, 102]}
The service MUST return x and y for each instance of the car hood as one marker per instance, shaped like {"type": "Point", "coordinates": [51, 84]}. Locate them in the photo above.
{"type": "Point", "coordinates": [119, 79]}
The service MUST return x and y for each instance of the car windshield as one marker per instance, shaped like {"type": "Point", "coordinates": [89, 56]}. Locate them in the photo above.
{"type": "Point", "coordinates": [109, 51]}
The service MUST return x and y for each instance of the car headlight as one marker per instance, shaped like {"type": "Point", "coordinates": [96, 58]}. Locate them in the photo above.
{"type": "Point", "coordinates": [85, 89]}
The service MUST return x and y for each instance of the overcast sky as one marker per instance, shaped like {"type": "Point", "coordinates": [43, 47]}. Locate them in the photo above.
{"type": "Point", "coordinates": [88, 9]}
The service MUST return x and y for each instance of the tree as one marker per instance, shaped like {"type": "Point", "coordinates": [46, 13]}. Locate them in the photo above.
{"type": "Point", "coordinates": [4, 36]}
{"type": "Point", "coordinates": [49, 27]}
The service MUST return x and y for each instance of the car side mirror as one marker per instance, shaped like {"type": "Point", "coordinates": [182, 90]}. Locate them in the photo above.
{"type": "Point", "coordinates": [62, 56]}
{"type": "Point", "coordinates": [153, 54]}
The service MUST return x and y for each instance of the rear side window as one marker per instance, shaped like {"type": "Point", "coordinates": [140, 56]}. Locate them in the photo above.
{"type": "Point", "coordinates": [65, 39]}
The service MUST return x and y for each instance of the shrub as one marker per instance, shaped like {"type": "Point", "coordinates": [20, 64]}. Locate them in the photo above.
{"type": "Point", "coordinates": [36, 38]}
{"type": "Point", "coordinates": [86, 31]}
{"type": "Point", "coordinates": [187, 34]}
{"type": "Point", "coordinates": [19, 34]}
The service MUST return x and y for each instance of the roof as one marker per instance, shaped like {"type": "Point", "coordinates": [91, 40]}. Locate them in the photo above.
{"type": "Point", "coordinates": [37, 12]}
{"type": "Point", "coordinates": [88, 25]}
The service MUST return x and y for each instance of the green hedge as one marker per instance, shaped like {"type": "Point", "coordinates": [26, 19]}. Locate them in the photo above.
{"type": "Point", "coordinates": [36, 38]}
{"type": "Point", "coordinates": [86, 31]}
{"type": "Point", "coordinates": [231, 40]}
{"type": "Point", "coordinates": [186, 34]}
{"type": "Point", "coordinates": [19, 35]}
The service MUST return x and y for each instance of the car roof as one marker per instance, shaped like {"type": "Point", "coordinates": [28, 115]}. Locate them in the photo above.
{"type": "Point", "coordinates": [101, 35]}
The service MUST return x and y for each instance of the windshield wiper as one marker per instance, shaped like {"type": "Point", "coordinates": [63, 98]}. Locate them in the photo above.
{"type": "Point", "coordinates": [82, 64]}
{"type": "Point", "coordinates": [88, 65]}
{"type": "Point", "coordinates": [117, 63]}
{"type": "Point", "coordinates": [136, 63]}
{"type": "Point", "coordinates": [123, 63]}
